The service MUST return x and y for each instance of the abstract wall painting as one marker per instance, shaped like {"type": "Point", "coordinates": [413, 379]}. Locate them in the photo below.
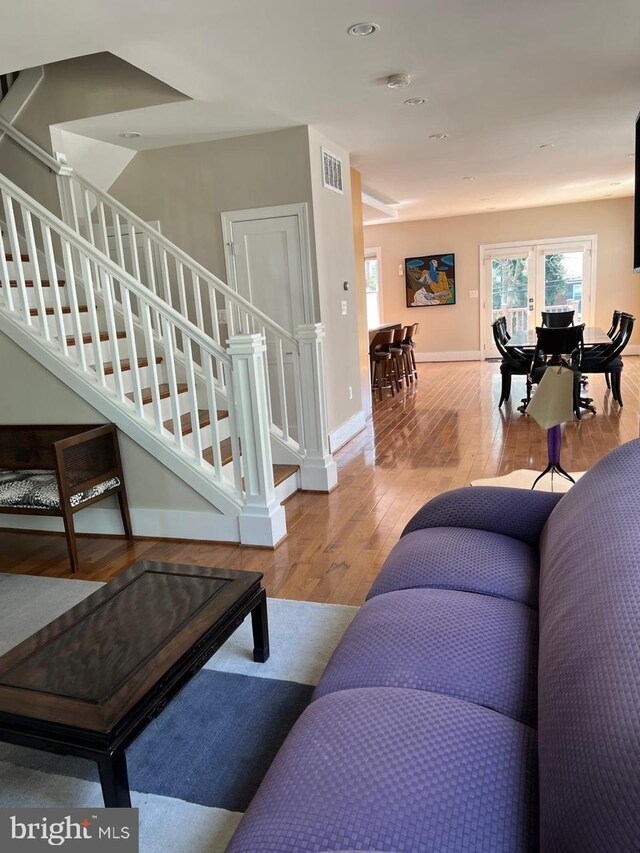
{"type": "Point", "coordinates": [430, 280]}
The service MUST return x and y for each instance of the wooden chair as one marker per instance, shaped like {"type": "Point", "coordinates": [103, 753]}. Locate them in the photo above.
{"type": "Point", "coordinates": [380, 360]}
{"type": "Point", "coordinates": [58, 470]}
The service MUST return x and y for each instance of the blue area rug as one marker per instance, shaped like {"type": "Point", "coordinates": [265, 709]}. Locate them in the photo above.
{"type": "Point", "coordinates": [195, 769]}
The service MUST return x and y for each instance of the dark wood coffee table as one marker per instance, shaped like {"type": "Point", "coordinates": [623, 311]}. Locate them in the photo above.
{"type": "Point", "coordinates": [89, 682]}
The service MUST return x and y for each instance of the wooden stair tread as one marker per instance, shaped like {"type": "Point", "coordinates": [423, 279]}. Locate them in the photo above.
{"type": "Point", "coordinates": [164, 392]}
{"type": "Point", "coordinates": [225, 452]}
{"type": "Point", "coordinates": [88, 338]}
{"type": "Point", "coordinates": [185, 420]}
{"type": "Point", "coordinates": [45, 282]}
{"type": "Point", "coordinates": [66, 309]}
{"type": "Point", "coordinates": [125, 364]}
{"type": "Point", "coordinates": [283, 472]}
{"type": "Point", "coordinates": [9, 257]}
{"type": "Point", "coordinates": [280, 472]}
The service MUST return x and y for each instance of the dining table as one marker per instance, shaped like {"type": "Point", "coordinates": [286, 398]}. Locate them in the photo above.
{"type": "Point", "coordinates": [526, 339]}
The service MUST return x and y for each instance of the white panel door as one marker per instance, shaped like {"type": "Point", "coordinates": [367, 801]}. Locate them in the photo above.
{"type": "Point", "coordinates": [267, 261]}
{"type": "Point", "coordinates": [266, 253]}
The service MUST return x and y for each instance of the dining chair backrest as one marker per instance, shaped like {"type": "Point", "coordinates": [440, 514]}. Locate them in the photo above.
{"type": "Point", "coordinates": [559, 341]}
{"type": "Point", "coordinates": [557, 319]}
{"type": "Point", "coordinates": [619, 343]}
{"type": "Point", "coordinates": [499, 329]}
{"type": "Point", "coordinates": [503, 322]}
{"type": "Point", "coordinates": [381, 340]}
{"type": "Point", "coordinates": [411, 332]}
{"type": "Point", "coordinates": [615, 322]}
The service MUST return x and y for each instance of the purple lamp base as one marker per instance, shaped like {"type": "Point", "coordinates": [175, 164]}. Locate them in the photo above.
{"type": "Point", "coordinates": [554, 442]}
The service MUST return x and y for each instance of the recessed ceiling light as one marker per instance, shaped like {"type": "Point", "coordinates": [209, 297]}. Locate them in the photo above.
{"type": "Point", "coordinates": [548, 145]}
{"type": "Point", "coordinates": [438, 136]}
{"type": "Point", "coordinates": [521, 198]}
{"type": "Point", "coordinates": [615, 183]}
{"type": "Point", "coordinates": [415, 102]}
{"type": "Point", "coordinates": [485, 198]}
{"type": "Point", "coordinates": [631, 155]}
{"type": "Point", "coordinates": [492, 208]}
{"type": "Point", "coordinates": [130, 134]}
{"type": "Point", "coordinates": [608, 195]}
{"type": "Point", "coordinates": [469, 178]}
{"type": "Point", "coordinates": [364, 29]}
{"type": "Point", "coordinates": [398, 81]}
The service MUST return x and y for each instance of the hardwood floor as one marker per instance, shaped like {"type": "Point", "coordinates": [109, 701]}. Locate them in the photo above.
{"type": "Point", "coordinates": [438, 436]}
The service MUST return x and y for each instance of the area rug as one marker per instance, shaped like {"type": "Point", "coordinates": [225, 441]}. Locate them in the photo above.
{"type": "Point", "coordinates": [194, 770]}
{"type": "Point", "coordinates": [524, 478]}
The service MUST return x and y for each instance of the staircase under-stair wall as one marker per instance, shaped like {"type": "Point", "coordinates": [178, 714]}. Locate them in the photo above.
{"type": "Point", "coordinates": [164, 349]}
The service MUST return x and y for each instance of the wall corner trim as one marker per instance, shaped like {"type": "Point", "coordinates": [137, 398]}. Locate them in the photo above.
{"type": "Point", "coordinates": [345, 432]}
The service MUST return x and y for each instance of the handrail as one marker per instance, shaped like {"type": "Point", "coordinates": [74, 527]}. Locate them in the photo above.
{"type": "Point", "coordinates": [32, 147]}
{"type": "Point", "coordinates": [201, 271]}
{"type": "Point", "coordinates": [119, 273]}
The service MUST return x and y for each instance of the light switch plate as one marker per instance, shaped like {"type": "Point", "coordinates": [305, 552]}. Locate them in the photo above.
{"type": "Point", "coordinates": [473, 294]}
{"type": "Point", "coordinates": [344, 306]}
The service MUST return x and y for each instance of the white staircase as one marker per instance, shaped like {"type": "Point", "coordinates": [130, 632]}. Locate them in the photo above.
{"type": "Point", "coordinates": [167, 351]}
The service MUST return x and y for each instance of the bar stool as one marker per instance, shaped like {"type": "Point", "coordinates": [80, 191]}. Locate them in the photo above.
{"type": "Point", "coordinates": [380, 360]}
{"type": "Point", "coordinates": [398, 361]}
{"type": "Point", "coordinates": [408, 347]}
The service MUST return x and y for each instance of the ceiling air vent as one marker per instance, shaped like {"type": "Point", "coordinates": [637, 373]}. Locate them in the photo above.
{"type": "Point", "coordinates": [331, 171]}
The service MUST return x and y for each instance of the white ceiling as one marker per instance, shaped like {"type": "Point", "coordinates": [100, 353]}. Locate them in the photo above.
{"type": "Point", "coordinates": [503, 77]}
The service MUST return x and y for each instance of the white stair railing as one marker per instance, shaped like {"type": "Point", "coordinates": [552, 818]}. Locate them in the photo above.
{"type": "Point", "coordinates": [112, 344]}
{"type": "Point", "coordinates": [209, 304]}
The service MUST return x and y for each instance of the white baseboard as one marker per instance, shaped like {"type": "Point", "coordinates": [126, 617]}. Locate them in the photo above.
{"type": "Point", "coordinates": [346, 431]}
{"type": "Point", "coordinates": [160, 523]}
{"type": "Point", "coordinates": [460, 355]}
{"type": "Point", "coordinates": [632, 349]}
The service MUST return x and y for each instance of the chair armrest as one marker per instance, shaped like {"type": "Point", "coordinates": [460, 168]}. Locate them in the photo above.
{"type": "Point", "coordinates": [519, 513]}
{"type": "Point", "coordinates": [86, 459]}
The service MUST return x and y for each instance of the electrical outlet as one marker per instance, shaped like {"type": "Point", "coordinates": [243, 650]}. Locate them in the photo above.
{"type": "Point", "coordinates": [350, 392]}
{"type": "Point", "coordinates": [344, 306]}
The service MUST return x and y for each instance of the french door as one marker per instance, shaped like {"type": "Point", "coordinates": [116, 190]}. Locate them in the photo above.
{"type": "Point", "coordinates": [519, 281]}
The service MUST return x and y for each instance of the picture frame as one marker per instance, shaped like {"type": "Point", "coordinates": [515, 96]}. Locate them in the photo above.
{"type": "Point", "coordinates": [430, 280]}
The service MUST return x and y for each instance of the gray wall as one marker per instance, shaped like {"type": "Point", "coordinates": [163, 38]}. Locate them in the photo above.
{"type": "Point", "coordinates": [187, 187]}
{"type": "Point", "coordinates": [75, 89]}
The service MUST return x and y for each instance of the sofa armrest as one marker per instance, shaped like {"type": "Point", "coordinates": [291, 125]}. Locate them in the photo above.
{"type": "Point", "coordinates": [519, 513]}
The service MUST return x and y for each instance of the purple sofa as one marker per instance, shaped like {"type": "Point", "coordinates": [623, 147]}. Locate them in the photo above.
{"type": "Point", "coordinates": [487, 695]}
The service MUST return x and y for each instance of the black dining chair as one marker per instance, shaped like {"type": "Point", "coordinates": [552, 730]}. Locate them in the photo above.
{"type": "Point", "coordinates": [608, 359]}
{"type": "Point", "coordinates": [557, 319]}
{"type": "Point", "coordinates": [515, 361]}
{"type": "Point", "coordinates": [557, 346]}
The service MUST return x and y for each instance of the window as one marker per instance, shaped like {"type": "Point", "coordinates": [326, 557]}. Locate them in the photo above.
{"type": "Point", "coordinates": [372, 280]}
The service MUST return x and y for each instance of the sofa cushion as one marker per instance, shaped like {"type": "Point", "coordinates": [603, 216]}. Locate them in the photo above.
{"type": "Point", "coordinates": [464, 559]}
{"type": "Point", "coordinates": [389, 769]}
{"type": "Point", "coordinates": [35, 489]}
{"type": "Point", "coordinates": [589, 672]}
{"type": "Point", "coordinates": [475, 647]}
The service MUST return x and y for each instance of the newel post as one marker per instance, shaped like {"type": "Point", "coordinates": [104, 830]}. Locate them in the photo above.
{"type": "Point", "coordinates": [319, 472]}
{"type": "Point", "coordinates": [262, 521]}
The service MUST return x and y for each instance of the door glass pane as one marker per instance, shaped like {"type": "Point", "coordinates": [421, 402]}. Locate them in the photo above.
{"type": "Point", "coordinates": [373, 290]}
{"type": "Point", "coordinates": [563, 279]}
{"type": "Point", "coordinates": [510, 291]}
